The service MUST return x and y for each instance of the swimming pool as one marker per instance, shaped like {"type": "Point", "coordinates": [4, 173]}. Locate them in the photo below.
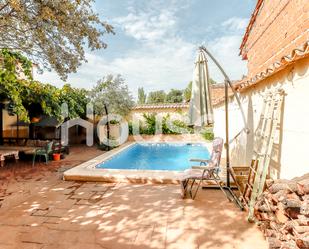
{"type": "Point", "coordinates": [156, 156]}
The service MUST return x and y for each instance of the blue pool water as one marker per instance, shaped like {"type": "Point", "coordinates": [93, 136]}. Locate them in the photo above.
{"type": "Point", "coordinates": [156, 156]}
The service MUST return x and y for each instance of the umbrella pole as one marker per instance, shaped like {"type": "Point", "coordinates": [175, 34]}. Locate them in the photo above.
{"type": "Point", "coordinates": [227, 84]}
{"type": "Point", "coordinates": [227, 145]}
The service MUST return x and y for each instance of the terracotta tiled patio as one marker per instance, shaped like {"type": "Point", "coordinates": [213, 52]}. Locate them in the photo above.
{"type": "Point", "coordinates": [39, 210]}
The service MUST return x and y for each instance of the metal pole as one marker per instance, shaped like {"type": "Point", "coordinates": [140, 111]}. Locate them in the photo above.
{"type": "Point", "coordinates": [227, 144]}
{"type": "Point", "coordinates": [227, 84]}
{"type": "Point", "coordinates": [227, 79]}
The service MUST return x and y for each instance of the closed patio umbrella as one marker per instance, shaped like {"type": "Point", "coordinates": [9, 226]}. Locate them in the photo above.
{"type": "Point", "coordinates": [200, 111]}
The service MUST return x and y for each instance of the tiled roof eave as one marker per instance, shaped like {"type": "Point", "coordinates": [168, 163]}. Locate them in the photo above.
{"type": "Point", "coordinates": [161, 106]}
{"type": "Point", "coordinates": [296, 54]}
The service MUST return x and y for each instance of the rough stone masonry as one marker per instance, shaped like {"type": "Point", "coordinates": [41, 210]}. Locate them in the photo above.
{"type": "Point", "coordinates": [283, 213]}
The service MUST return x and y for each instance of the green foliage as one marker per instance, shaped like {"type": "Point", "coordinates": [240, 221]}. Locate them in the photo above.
{"type": "Point", "coordinates": [141, 96]}
{"type": "Point", "coordinates": [149, 128]}
{"type": "Point", "coordinates": [11, 61]}
{"type": "Point", "coordinates": [212, 81]}
{"type": "Point", "coordinates": [174, 96]}
{"type": "Point", "coordinates": [208, 134]}
{"type": "Point", "coordinates": [52, 33]}
{"type": "Point", "coordinates": [156, 97]}
{"type": "Point", "coordinates": [187, 92]}
{"type": "Point", "coordinates": [112, 92]}
{"type": "Point", "coordinates": [181, 127]}
{"type": "Point", "coordinates": [114, 122]}
{"type": "Point", "coordinates": [24, 93]}
{"type": "Point", "coordinates": [150, 124]}
{"type": "Point", "coordinates": [76, 99]}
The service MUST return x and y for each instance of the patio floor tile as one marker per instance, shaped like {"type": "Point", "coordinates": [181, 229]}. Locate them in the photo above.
{"type": "Point", "coordinates": [44, 212]}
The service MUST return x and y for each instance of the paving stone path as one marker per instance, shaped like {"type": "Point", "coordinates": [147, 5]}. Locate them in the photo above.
{"type": "Point", "coordinates": [44, 212]}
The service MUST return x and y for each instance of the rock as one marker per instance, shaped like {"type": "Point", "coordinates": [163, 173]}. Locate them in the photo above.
{"type": "Point", "coordinates": [300, 189]}
{"type": "Point", "coordinates": [302, 220]}
{"type": "Point", "coordinates": [274, 243]}
{"type": "Point", "coordinates": [303, 241]}
{"type": "Point", "coordinates": [301, 229]}
{"type": "Point", "coordinates": [292, 203]}
{"type": "Point", "coordinates": [304, 208]}
{"type": "Point", "coordinates": [264, 208]}
{"type": "Point", "coordinates": [305, 185]}
{"type": "Point", "coordinates": [281, 195]}
{"type": "Point", "coordinates": [283, 212]}
{"type": "Point", "coordinates": [270, 233]}
{"type": "Point", "coordinates": [289, 245]}
{"type": "Point", "coordinates": [281, 217]}
{"type": "Point", "coordinates": [290, 186]}
{"type": "Point", "coordinates": [292, 212]}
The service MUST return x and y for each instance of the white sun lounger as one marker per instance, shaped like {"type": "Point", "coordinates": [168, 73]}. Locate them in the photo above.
{"type": "Point", "coordinates": [208, 169]}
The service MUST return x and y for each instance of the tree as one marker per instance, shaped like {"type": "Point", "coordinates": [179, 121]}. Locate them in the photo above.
{"type": "Point", "coordinates": [111, 92]}
{"type": "Point", "coordinates": [212, 81]}
{"type": "Point", "coordinates": [156, 97]}
{"type": "Point", "coordinates": [52, 33]}
{"type": "Point", "coordinates": [141, 96]}
{"type": "Point", "coordinates": [174, 96]}
{"type": "Point", "coordinates": [76, 99]}
{"type": "Point", "coordinates": [25, 93]}
{"type": "Point", "coordinates": [187, 92]}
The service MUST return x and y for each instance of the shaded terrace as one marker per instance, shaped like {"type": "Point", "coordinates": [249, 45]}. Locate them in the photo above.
{"type": "Point", "coordinates": [39, 210]}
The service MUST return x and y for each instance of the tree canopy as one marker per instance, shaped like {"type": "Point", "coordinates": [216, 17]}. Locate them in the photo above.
{"type": "Point", "coordinates": [24, 92]}
{"type": "Point", "coordinates": [141, 96]}
{"type": "Point", "coordinates": [112, 92]}
{"type": "Point", "coordinates": [156, 97]}
{"type": "Point", "coordinates": [188, 90]}
{"type": "Point", "coordinates": [174, 96]}
{"type": "Point", "coordinates": [52, 33]}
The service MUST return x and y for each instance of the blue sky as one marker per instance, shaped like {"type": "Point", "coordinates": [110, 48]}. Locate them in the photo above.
{"type": "Point", "coordinates": [156, 41]}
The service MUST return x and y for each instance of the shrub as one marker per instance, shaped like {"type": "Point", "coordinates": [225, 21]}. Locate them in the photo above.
{"type": "Point", "coordinates": [148, 127]}
{"type": "Point", "coordinates": [208, 134]}
{"type": "Point", "coordinates": [150, 124]}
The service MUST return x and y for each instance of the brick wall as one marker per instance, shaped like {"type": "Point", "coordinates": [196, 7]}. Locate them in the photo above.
{"type": "Point", "coordinates": [280, 27]}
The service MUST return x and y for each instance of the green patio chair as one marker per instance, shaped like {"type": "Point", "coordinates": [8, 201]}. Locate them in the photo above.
{"type": "Point", "coordinates": [45, 151]}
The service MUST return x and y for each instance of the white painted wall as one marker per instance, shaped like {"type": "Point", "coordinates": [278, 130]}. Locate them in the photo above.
{"type": "Point", "coordinates": [290, 156]}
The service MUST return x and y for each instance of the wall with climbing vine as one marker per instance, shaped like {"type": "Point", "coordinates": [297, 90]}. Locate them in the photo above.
{"type": "Point", "coordinates": [24, 93]}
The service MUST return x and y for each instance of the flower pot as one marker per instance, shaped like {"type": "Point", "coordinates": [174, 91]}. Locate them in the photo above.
{"type": "Point", "coordinates": [56, 157]}
{"type": "Point", "coordinates": [35, 120]}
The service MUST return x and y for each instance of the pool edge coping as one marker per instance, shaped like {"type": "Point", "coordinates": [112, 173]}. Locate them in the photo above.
{"type": "Point", "coordinates": [87, 171]}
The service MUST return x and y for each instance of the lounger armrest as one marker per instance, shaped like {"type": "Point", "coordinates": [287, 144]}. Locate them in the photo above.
{"type": "Point", "coordinates": [203, 167]}
{"type": "Point", "coordinates": [199, 160]}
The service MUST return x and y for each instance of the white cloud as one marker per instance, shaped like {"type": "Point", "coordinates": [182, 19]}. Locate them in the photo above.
{"type": "Point", "coordinates": [146, 26]}
{"type": "Point", "coordinates": [226, 50]}
{"type": "Point", "coordinates": [163, 60]}
{"type": "Point", "coordinates": [236, 23]}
